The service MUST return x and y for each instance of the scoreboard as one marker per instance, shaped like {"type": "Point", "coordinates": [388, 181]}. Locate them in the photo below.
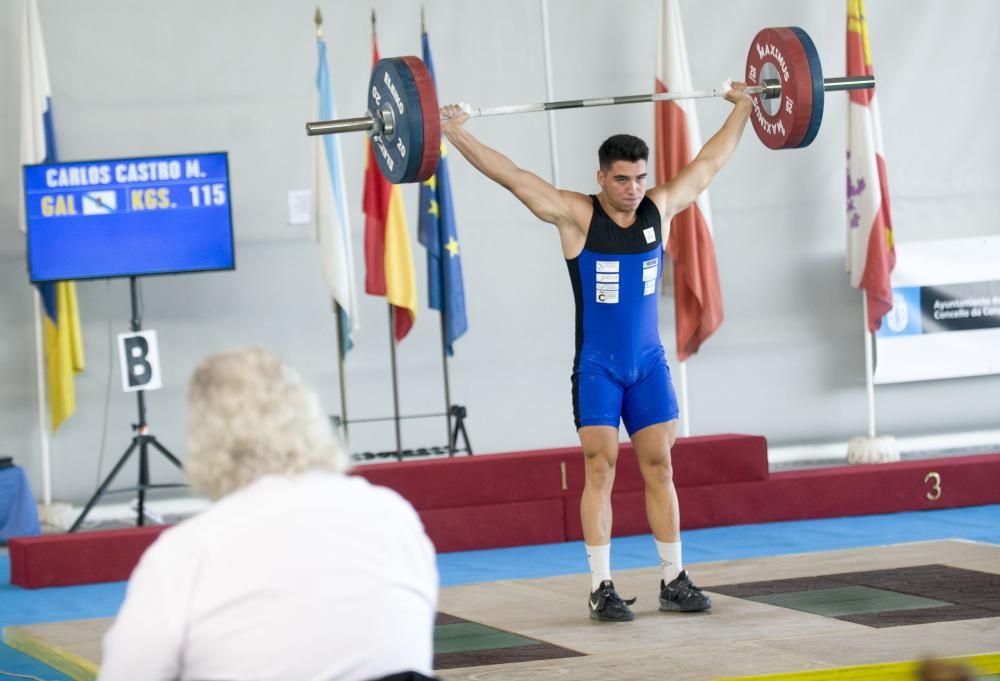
{"type": "Point", "coordinates": [128, 217]}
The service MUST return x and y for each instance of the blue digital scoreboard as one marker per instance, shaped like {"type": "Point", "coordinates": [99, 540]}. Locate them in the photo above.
{"type": "Point", "coordinates": [128, 217]}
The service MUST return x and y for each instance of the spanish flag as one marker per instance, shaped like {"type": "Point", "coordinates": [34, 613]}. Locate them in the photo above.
{"type": "Point", "coordinates": [63, 340]}
{"type": "Point", "coordinates": [871, 253]}
{"type": "Point", "coordinates": [388, 256]}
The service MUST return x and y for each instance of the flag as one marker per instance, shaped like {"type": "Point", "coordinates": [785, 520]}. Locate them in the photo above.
{"type": "Point", "coordinates": [63, 340]}
{"type": "Point", "coordinates": [697, 293]}
{"type": "Point", "coordinates": [333, 231]}
{"type": "Point", "coordinates": [871, 252]}
{"type": "Point", "coordinates": [439, 235]}
{"type": "Point", "coordinates": [388, 258]}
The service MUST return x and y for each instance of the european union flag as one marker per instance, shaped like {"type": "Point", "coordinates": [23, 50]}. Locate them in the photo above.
{"type": "Point", "coordinates": [438, 234]}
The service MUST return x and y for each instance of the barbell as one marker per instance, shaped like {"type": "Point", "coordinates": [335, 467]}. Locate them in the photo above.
{"type": "Point", "coordinates": [783, 74]}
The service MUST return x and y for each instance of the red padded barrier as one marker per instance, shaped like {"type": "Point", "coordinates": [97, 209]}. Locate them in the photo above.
{"type": "Point", "coordinates": [816, 493]}
{"type": "Point", "coordinates": [495, 525]}
{"type": "Point", "coordinates": [78, 558]}
{"type": "Point", "coordinates": [474, 480]}
{"type": "Point", "coordinates": [523, 476]}
{"type": "Point", "coordinates": [518, 499]}
{"type": "Point", "coordinates": [706, 460]}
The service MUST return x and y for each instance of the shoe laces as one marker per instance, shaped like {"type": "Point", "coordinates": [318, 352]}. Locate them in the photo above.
{"type": "Point", "coordinates": [685, 584]}
{"type": "Point", "coordinates": [611, 596]}
{"type": "Point", "coordinates": [690, 585]}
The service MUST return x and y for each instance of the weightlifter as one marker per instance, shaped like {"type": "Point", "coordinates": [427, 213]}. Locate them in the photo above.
{"type": "Point", "coordinates": [613, 243]}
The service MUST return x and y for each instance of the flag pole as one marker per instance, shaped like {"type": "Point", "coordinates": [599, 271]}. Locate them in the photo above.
{"type": "Point", "coordinates": [395, 380]}
{"type": "Point", "coordinates": [871, 449]}
{"type": "Point", "coordinates": [392, 342]}
{"type": "Point", "coordinates": [553, 141]}
{"type": "Point", "coordinates": [869, 368]}
{"type": "Point", "coordinates": [338, 311]}
{"type": "Point", "coordinates": [866, 149]}
{"type": "Point", "coordinates": [39, 315]}
{"type": "Point", "coordinates": [42, 394]}
{"type": "Point", "coordinates": [444, 331]}
{"type": "Point", "coordinates": [685, 412]}
{"type": "Point", "coordinates": [338, 314]}
{"type": "Point", "coordinates": [447, 386]}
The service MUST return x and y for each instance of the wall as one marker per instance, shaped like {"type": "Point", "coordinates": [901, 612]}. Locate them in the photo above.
{"type": "Point", "coordinates": [143, 78]}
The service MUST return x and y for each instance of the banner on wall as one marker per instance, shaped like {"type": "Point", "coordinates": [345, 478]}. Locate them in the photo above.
{"type": "Point", "coordinates": [945, 321]}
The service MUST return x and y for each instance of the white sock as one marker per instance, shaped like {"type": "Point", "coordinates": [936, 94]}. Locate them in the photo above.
{"type": "Point", "coordinates": [670, 559]}
{"type": "Point", "coordinates": [599, 558]}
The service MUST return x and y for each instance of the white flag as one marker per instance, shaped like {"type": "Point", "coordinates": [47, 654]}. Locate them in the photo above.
{"type": "Point", "coordinates": [333, 230]}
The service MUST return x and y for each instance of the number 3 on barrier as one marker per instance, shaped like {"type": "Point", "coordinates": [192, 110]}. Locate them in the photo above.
{"type": "Point", "coordinates": [934, 493]}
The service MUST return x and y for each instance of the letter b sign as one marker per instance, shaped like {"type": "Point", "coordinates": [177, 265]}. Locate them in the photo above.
{"type": "Point", "coordinates": [140, 361]}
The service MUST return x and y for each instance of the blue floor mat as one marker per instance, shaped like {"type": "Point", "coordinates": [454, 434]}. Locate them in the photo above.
{"type": "Point", "coordinates": [31, 606]}
{"type": "Point", "coordinates": [979, 523]}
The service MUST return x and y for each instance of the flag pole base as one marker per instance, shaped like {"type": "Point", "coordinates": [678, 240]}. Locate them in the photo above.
{"type": "Point", "coordinates": [872, 450]}
{"type": "Point", "coordinates": [58, 515]}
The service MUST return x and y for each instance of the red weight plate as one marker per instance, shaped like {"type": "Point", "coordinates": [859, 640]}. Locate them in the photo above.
{"type": "Point", "coordinates": [430, 112]}
{"type": "Point", "coordinates": [818, 89]}
{"type": "Point", "coordinates": [799, 66]}
{"type": "Point", "coordinates": [399, 149]}
{"type": "Point", "coordinates": [778, 53]}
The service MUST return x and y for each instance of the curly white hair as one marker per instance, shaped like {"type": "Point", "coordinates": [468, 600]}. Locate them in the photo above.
{"type": "Point", "coordinates": [249, 416]}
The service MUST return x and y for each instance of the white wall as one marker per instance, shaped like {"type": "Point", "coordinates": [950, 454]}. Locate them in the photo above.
{"type": "Point", "coordinates": [144, 78]}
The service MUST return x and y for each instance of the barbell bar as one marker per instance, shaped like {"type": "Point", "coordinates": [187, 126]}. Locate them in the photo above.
{"type": "Point", "coordinates": [783, 74]}
{"type": "Point", "coordinates": [770, 89]}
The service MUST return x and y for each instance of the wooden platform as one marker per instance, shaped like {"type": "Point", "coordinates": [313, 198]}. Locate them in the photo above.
{"type": "Point", "coordinates": [854, 614]}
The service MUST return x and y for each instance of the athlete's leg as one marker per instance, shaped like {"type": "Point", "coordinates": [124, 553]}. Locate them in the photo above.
{"type": "Point", "coordinates": [597, 409]}
{"type": "Point", "coordinates": [600, 451]}
{"type": "Point", "coordinates": [652, 450]}
{"type": "Point", "coordinates": [597, 403]}
{"type": "Point", "coordinates": [649, 409]}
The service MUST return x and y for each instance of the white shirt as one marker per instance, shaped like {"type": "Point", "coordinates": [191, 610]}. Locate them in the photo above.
{"type": "Point", "coordinates": [308, 578]}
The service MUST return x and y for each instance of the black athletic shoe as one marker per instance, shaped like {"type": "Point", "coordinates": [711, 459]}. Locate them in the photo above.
{"type": "Point", "coordinates": [606, 605]}
{"type": "Point", "coordinates": [681, 595]}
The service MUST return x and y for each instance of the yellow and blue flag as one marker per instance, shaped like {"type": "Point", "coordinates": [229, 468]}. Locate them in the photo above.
{"type": "Point", "coordinates": [439, 235]}
{"type": "Point", "coordinates": [63, 339]}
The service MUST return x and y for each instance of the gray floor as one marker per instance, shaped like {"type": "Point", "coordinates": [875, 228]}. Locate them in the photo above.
{"type": "Point", "coordinates": [738, 637]}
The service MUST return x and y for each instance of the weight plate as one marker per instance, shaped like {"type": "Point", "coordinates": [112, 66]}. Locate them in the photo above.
{"type": "Point", "coordinates": [780, 123]}
{"type": "Point", "coordinates": [398, 101]}
{"type": "Point", "coordinates": [431, 113]}
{"type": "Point", "coordinates": [818, 91]}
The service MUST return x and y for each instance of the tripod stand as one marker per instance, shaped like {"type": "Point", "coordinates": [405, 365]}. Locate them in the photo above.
{"type": "Point", "coordinates": [141, 442]}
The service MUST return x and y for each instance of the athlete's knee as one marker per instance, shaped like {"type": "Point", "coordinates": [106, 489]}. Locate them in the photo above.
{"type": "Point", "coordinates": [600, 468]}
{"type": "Point", "coordinates": [657, 469]}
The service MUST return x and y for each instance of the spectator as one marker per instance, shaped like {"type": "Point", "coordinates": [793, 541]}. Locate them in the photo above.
{"type": "Point", "coordinates": [298, 572]}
